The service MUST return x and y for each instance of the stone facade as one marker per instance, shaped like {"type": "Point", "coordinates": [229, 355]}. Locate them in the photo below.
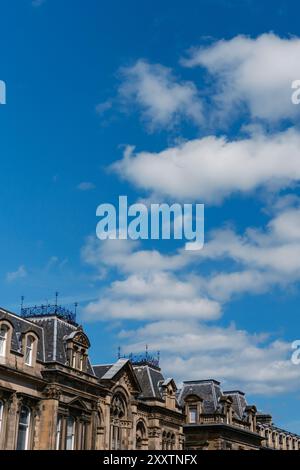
{"type": "Point", "coordinates": [52, 397]}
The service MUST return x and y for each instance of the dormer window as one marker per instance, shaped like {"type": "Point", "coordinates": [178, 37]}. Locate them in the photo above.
{"type": "Point", "coordinates": [77, 345]}
{"type": "Point", "coordinates": [29, 350]}
{"type": "Point", "coordinates": [193, 409]}
{"type": "Point", "coordinates": [3, 339]}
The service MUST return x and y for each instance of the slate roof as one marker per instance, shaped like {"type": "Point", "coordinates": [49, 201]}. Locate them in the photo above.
{"type": "Point", "coordinates": [114, 369]}
{"type": "Point", "coordinates": [150, 380]}
{"type": "Point", "coordinates": [51, 332]}
{"type": "Point", "coordinates": [100, 370]}
{"type": "Point", "coordinates": [20, 327]}
{"type": "Point", "coordinates": [208, 390]}
{"type": "Point", "coordinates": [239, 402]}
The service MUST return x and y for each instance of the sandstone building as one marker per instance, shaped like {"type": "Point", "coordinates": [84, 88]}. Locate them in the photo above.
{"type": "Point", "coordinates": [52, 397]}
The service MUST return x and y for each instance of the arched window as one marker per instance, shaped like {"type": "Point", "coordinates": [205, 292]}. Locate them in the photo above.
{"type": "Point", "coordinates": [118, 406]}
{"type": "Point", "coordinates": [140, 435]}
{"type": "Point", "coordinates": [1, 414]}
{"type": "Point", "coordinates": [3, 339]}
{"type": "Point", "coordinates": [29, 350]}
{"type": "Point", "coordinates": [24, 429]}
{"type": "Point", "coordinates": [173, 441]}
{"type": "Point", "coordinates": [118, 410]}
{"type": "Point", "coordinates": [70, 434]}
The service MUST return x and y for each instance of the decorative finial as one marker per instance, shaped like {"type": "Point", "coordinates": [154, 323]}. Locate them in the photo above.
{"type": "Point", "coordinates": [119, 352]}
{"type": "Point", "coordinates": [22, 302]}
{"type": "Point", "coordinates": [75, 309]}
{"type": "Point", "coordinates": [146, 349]}
{"type": "Point", "coordinates": [56, 297]}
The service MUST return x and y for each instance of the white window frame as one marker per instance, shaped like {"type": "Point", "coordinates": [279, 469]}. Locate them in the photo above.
{"type": "Point", "coordinates": [58, 432]}
{"type": "Point", "coordinates": [1, 414]}
{"type": "Point", "coordinates": [74, 358]}
{"type": "Point", "coordinates": [3, 339]}
{"type": "Point", "coordinates": [70, 437]}
{"type": "Point", "coordinates": [25, 425]}
{"type": "Point", "coordinates": [29, 350]}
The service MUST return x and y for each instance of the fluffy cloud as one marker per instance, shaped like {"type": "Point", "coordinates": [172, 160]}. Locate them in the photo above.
{"type": "Point", "coordinates": [173, 295]}
{"type": "Point", "coordinates": [256, 73]}
{"type": "Point", "coordinates": [149, 284]}
{"type": "Point", "coordinates": [212, 168]}
{"type": "Point", "coordinates": [20, 273]}
{"type": "Point", "coordinates": [127, 257]}
{"type": "Point", "coordinates": [149, 290]}
{"type": "Point", "coordinates": [164, 101]}
{"type": "Point", "coordinates": [275, 249]}
{"type": "Point", "coordinates": [191, 350]}
{"type": "Point", "coordinates": [178, 304]}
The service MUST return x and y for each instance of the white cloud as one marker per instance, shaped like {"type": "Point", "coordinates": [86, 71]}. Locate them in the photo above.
{"type": "Point", "coordinates": [222, 286]}
{"type": "Point", "coordinates": [148, 287]}
{"type": "Point", "coordinates": [239, 359]}
{"type": "Point", "coordinates": [155, 285]}
{"type": "Point", "coordinates": [212, 168]}
{"type": "Point", "coordinates": [20, 273]}
{"type": "Point", "coordinates": [128, 257]}
{"type": "Point", "coordinates": [86, 186]}
{"type": "Point", "coordinates": [252, 72]}
{"type": "Point", "coordinates": [175, 300]}
{"type": "Point", "coordinates": [275, 249]}
{"type": "Point", "coordinates": [163, 99]}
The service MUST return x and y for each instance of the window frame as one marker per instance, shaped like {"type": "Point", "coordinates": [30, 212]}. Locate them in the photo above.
{"type": "Point", "coordinates": [28, 357]}
{"type": "Point", "coordinates": [70, 437]}
{"type": "Point", "coordinates": [3, 339]}
{"type": "Point", "coordinates": [26, 425]}
{"type": "Point", "coordinates": [193, 409]}
{"type": "Point", "coordinates": [1, 415]}
{"type": "Point", "coordinates": [58, 432]}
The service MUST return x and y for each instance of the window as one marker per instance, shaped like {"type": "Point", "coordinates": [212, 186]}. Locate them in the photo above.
{"type": "Point", "coordinates": [24, 427]}
{"type": "Point", "coordinates": [58, 432]}
{"type": "Point", "coordinates": [164, 440]}
{"type": "Point", "coordinates": [74, 357]}
{"type": "Point", "coordinates": [70, 436]}
{"type": "Point", "coordinates": [1, 414]}
{"type": "Point", "coordinates": [83, 436]}
{"type": "Point", "coordinates": [192, 414]}
{"type": "Point", "coordinates": [140, 435]}
{"type": "Point", "coordinates": [118, 411]}
{"type": "Point", "coordinates": [116, 438]}
{"type": "Point", "coordinates": [3, 339]}
{"type": "Point", "coordinates": [118, 406]}
{"type": "Point", "coordinates": [29, 350]}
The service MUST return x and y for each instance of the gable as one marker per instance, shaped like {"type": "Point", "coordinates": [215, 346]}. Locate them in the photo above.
{"type": "Point", "coordinates": [122, 371]}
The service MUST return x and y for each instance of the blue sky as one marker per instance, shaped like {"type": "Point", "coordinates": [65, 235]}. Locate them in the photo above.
{"type": "Point", "coordinates": [85, 80]}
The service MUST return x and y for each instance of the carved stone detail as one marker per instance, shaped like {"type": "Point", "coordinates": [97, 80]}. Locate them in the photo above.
{"type": "Point", "coordinates": [52, 392]}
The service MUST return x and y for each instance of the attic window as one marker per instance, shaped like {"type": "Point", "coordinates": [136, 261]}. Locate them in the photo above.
{"type": "Point", "coordinates": [3, 339]}
{"type": "Point", "coordinates": [192, 414]}
{"type": "Point", "coordinates": [29, 350]}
